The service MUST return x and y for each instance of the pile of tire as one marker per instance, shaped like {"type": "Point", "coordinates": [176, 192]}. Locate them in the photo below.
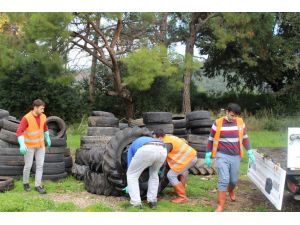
{"type": "Point", "coordinates": [11, 160]}
{"type": "Point", "coordinates": [6, 183]}
{"type": "Point", "coordinates": [159, 120]}
{"type": "Point", "coordinates": [199, 125]}
{"type": "Point", "coordinates": [115, 163]}
{"type": "Point", "coordinates": [58, 160]}
{"type": "Point", "coordinates": [101, 127]}
{"type": "Point", "coordinates": [57, 157]}
{"type": "Point", "coordinates": [179, 123]}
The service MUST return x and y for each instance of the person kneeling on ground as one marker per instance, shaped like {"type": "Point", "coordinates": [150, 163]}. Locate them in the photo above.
{"type": "Point", "coordinates": [144, 152]}
{"type": "Point", "coordinates": [180, 159]}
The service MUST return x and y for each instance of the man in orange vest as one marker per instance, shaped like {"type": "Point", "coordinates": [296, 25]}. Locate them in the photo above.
{"type": "Point", "coordinates": [32, 134]}
{"type": "Point", "coordinates": [225, 141]}
{"type": "Point", "coordinates": [180, 159]}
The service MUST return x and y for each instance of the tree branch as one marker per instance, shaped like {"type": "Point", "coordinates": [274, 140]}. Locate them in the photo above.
{"type": "Point", "coordinates": [117, 34]}
{"type": "Point", "coordinates": [91, 52]}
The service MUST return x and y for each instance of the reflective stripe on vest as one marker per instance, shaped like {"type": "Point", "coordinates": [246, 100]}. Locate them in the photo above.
{"type": "Point", "coordinates": [180, 155]}
{"type": "Point", "coordinates": [34, 134]}
{"type": "Point", "coordinates": [219, 123]}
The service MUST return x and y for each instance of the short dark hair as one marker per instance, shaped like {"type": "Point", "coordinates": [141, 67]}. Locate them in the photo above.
{"type": "Point", "coordinates": [38, 102]}
{"type": "Point", "coordinates": [159, 133]}
{"type": "Point", "coordinates": [233, 107]}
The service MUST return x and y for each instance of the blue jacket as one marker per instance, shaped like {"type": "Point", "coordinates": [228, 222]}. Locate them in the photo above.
{"type": "Point", "coordinates": [139, 142]}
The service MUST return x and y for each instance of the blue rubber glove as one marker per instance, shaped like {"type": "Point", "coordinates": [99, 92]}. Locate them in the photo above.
{"type": "Point", "coordinates": [23, 148]}
{"type": "Point", "coordinates": [251, 156]}
{"type": "Point", "coordinates": [47, 138]}
{"type": "Point", "coordinates": [208, 160]}
{"type": "Point", "coordinates": [125, 190]}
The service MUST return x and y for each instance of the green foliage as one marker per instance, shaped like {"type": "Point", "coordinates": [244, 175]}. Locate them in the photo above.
{"type": "Point", "coordinates": [145, 64]}
{"type": "Point", "coordinates": [103, 101]}
{"type": "Point", "coordinates": [252, 103]}
{"type": "Point", "coordinates": [49, 28]}
{"type": "Point", "coordinates": [253, 49]}
{"type": "Point", "coordinates": [191, 63]}
{"type": "Point", "coordinates": [164, 95]}
{"type": "Point", "coordinates": [19, 87]}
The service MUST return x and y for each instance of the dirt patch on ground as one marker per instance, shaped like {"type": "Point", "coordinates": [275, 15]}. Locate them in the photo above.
{"type": "Point", "coordinates": [84, 199]}
{"type": "Point", "coordinates": [249, 199]}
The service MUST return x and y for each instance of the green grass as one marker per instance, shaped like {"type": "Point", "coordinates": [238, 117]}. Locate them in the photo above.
{"type": "Point", "coordinates": [270, 139]}
{"type": "Point", "coordinates": [17, 200]}
{"type": "Point", "coordinates": [98, 208]}
{"type": "Point", "coordinates": [73, 142]}
{"type": "Point", "coordinates": [199, 188]}
{"type": "Point", "coordinates": [167, 206]}
{"type": "Point", "coordinates": [25, 202]}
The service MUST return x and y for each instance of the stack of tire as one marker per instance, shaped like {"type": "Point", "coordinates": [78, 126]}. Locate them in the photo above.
{"type": "Point", "coordinates": [179, 123]}
{"type": "Point", "coordinates": [11, 161]}
{"type": "Point", "coordinates": [199, 125]}
{"type": "Point", "coordinates": [114, 166]}
{"type": "Point", "coordinates": [58, 160]}
{"type": "Point", "coordinates": [101, 127]}
{"type": "Point", "coordinates": [6, 183]}
{"type": "Point", "coordinates": [159, 120]}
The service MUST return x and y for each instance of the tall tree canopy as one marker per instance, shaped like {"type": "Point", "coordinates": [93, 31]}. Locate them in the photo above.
{"type": "Point", "coordinates": [253, 49]}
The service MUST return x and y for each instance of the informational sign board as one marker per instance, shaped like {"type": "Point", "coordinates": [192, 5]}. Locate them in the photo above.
{"type": "Point", "coordinates": [269, 178]}
{"type": "Point", "coordinates": [293, 154]}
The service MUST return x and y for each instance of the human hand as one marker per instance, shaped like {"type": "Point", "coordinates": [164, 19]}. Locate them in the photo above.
{"type": "Point", "coordinates": [23, 147]}
{"type": "Point", "coordinates": [251, 156]}
{"type": "Point", "coordinates": [47, 138]}
{"type": "Point", "coordinates": [208, 160]}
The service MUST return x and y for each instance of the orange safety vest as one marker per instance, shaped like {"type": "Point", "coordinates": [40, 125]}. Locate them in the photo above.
{"type": "Point", "coordinates": [33, 134]}
{"type": "Point", "coordinates": [180, 155]}
{"type": "Point", "coordinates": [219, 123]}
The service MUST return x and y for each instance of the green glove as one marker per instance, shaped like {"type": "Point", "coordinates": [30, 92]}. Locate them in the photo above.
{"type": "Point", "coordinates": [159, 172]}
{"type": "Point", "coordinates": [47, 138]}
{"type": "Point", "coordinates": [251, 156]}
{"type": "Point", "coordinates": [125, 189]}
{"type": "Point", "coordinates": [207, 160]}
{"type": "Point", "coordinates": [23, 148]}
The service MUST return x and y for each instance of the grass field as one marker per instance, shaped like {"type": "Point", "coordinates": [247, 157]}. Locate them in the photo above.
{"type": "Point", "coordinates": [200, 189]}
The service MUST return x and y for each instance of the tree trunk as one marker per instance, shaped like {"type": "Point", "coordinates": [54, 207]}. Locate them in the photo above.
{"type": "Point", "coordinates": [163, 29]}
{"type": "Point", "coordinates": [123, 92]}
{"type": "Point", "coordinates": [92, 80]}
{"type": "Point", "coordinates": [187, 75]}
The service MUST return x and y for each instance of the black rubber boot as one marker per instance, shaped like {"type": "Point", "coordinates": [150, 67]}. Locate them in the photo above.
{"type": "Point", "coordinates": [26, 187]}
{"type": "Point", "coordinates": [40, 190]}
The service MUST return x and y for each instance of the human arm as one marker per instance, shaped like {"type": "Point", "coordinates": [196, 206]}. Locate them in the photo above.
{"type": "Point", "coordinates": [47, 138]}
{"type": "Point", "coordinates": [248, 147]}
{"type": "Point", "coordinates": [21, 140]}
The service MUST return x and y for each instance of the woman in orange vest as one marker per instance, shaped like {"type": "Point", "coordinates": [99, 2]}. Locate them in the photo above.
{"type": "Point", "coordinates": [32, 134]}
{"type": "Point", "coordinates": [225, 141]}
{"type": "Point", "coordinates": [180, 159]}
